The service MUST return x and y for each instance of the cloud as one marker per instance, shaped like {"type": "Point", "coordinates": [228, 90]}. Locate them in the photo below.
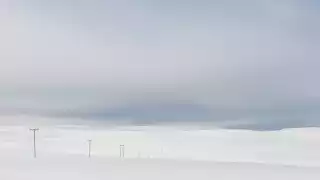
{"type": "Point", "coordinates": [107, 54]}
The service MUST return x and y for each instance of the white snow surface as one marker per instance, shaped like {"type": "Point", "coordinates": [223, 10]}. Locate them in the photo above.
{"type": "Point", "coordinates": [77, 168]}
{"type": "Point", "coordinates": [154, 152]}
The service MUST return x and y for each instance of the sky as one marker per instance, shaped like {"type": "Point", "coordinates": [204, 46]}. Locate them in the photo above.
{"type": "Point", "coordinates": [241, 64]}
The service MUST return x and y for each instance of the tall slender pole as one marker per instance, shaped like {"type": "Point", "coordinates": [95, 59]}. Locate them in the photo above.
{"type": "Point", "coordinates": [34, 130]}
{"type": "Point", "coordinates": [89, 141]}
{"type": "Point", "coordinates": [121, 151]}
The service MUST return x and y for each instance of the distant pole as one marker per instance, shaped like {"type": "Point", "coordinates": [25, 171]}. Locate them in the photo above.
{"type": "Point", "coordinates": [89, 141]}
{"type": "Point", "coordinates": [122, 151]}
{"type": "Point", "coordinates": [34, 130]}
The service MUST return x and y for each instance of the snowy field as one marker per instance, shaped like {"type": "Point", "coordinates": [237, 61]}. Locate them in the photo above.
{"type": "Point", "coordinates": [154, 152]}
{"type": "Point", "coordinates": [77, 168]}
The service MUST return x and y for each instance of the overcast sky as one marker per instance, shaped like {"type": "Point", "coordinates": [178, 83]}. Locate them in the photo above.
{"type": "Point", "coordinates": [208, 54]}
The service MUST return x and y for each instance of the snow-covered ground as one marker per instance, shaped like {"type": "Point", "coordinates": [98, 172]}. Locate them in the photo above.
{"type": "Point", "coordinates": [154, 152]}
{"type": "Point", "coordinates": [77, 168]}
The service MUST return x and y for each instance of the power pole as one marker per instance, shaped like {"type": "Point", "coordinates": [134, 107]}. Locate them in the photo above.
{"type": "Point", "coordinates": [34, 130]}
{"type": "Point", "coordinates": [121, 151]}
{"type": "Point", "coordinates": [89, 141]}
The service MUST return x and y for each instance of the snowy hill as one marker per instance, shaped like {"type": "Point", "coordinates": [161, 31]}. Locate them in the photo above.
{"type": "Point", "coordinates": [154, 152]}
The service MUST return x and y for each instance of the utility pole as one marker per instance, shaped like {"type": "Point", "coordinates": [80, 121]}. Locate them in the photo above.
{"type": "Point", "coordinates": [34, 130]}
{"type": "Point", "coordinates": [89, 141]}
{"type": "Point", "coordinates": [122, 151]}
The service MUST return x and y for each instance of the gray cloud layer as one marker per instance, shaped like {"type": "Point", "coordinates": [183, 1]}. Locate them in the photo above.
{"type": "Point", "coordinates": [222, 56]}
